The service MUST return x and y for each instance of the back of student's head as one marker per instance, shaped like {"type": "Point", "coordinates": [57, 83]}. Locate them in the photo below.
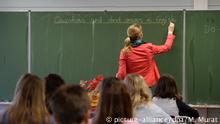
{"type": "Point", "coordinates": [138, 89]}
{"type": "Point", "coordinates": [114, 101]}
{"type": "Point", "coordinates": [166, 87]}
{"type": "Point", "coordinates": [28, 105]}
{"type": "Point", "coordinates": [70, 105]}
{"type": "Point", "coordinates": [52, 83]}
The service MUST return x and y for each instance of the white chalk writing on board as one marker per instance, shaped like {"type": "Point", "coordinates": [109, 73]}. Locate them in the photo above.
{"type": "Point", "coordinates": [113, 20]}
{"type": "Point", "coordinates": [211, 29]}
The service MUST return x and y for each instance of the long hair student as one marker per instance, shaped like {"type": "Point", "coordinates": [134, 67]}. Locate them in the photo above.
{"type": "Point", "coordinates": [28, 105]}
{"type": "Point", "coordinates": [114, 102]}
{"type": "Point", "coordinates": [142, 105]}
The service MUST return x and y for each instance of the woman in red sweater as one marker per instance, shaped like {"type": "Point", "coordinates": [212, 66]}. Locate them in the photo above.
{"type": "Point", "coordinates": [137, 56]}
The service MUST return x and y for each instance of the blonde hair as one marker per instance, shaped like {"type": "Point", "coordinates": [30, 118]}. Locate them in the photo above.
{"type": "Point", "coordinates": [139, 91]}
{"type": "Point", "coordinates": [28, 105]}
{"type": "Point", "coordinates": [134, 32]}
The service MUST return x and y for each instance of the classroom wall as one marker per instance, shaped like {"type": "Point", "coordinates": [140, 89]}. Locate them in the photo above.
{"type": "Point", "coordinates": [213, 4]}
{"type": "Point", "coordinates": [85, 5]}
{"type": "Point", "coordinates": [98, 5]}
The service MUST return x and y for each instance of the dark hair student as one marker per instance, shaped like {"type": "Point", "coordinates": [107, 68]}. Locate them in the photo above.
{"type": "Point", "coordinates": [114, 102]}
{"type": "Point", "coordinates": [166, 88]}
{"type": "Point", "coordinates": [168, 98]}
{"type": "Point", "coordinates": [70, 105]}
{"type": "Point", "coordinates": [52, 83]}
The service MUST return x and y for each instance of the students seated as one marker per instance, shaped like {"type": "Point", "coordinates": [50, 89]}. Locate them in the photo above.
{"type": "Point", "coordinates": [28, 105]}
{"type": "Point", "coordinates": [144, 109]}
{"type": "Point", "coordinates": [52, 83]}
{"type": "Point", "coordinates": [168, 98]}
{"type": "Point", "coordinates": [70, 105]}
{"type": "Point", "coordinates": [114, 105]}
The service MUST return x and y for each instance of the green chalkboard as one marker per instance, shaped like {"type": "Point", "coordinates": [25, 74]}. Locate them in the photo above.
{"type": "Point", "coordinates": [203, 56]}
{"type": "Point", "coordinates": [81, 45]}
{"type": "Point", "coordinates": [13, 51]}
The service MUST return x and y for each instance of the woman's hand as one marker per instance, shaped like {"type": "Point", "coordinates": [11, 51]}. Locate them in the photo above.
{"type": "Point", "coordinates": [171, 28]}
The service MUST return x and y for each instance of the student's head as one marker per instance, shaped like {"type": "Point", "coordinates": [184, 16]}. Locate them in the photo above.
{"type": "Point", "coordinates": [138, 89]}
{"type": "Point", "coordinates": [28, 105]}
{"type": "Point", "coordinates": [70, 105]}
{"type": "Point", "coordinates": [166, 87]}
{"type": "Point", "coordinates": [52, 83]}
{"type": "Point", "coordinates": [134, 32]}
{"type": "Point", "coordinates": [114, 101]}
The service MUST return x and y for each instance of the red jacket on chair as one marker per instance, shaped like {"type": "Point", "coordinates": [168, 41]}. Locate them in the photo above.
{"type": "Point", "coordinates": [140, 60]}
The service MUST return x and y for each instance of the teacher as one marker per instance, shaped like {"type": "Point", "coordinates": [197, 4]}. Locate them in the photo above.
{"type": "Point", "coordinates": [137, 56]}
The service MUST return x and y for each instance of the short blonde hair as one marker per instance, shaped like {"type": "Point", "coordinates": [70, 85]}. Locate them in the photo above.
{"type": "Point", "coordinates": [139, 91]}
{"type": "Point", "coordinates": [134, 32]}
